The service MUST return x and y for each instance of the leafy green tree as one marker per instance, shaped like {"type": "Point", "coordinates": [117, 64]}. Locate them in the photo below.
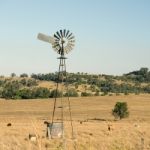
{"type": "Point", "coordinates": [120, 110]}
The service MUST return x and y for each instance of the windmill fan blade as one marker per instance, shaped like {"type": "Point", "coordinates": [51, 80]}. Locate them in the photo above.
{"type": "Point", "coordinates": [71, 44]}
{"type": "Point", "coordinates": [71, 38]}
{"type": "Point", "coordinates": [61, 33]}
{"type": "Point", "coordinates": [67, 33]}
{"type": "Point", "coordinates": [64, 32]}
{"type": "Point", "coordinates": [58, 34]}
{"type": "Point", "coordinates": [68, 48]}
{"type": "Point", "coordinates": [72, 41]}
{"type": "Point", "coordinates": [45, 38]}
{"type": "Point", "coordinates": [55, 45]}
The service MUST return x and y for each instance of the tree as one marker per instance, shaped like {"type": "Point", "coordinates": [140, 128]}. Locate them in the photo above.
{"type": "Point", "coordinates": [13, 75]}
{"type": "Point", "coordinates": [120, 110]}
{"type": "Point", "coordinates": [24, 75]}
{"type": "Point", "coordinates": [143, 71]}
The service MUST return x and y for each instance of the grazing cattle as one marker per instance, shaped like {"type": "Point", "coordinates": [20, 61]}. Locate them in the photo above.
{"type": "Point", "coordinates": [110, 127]}
{"type": "Point", "coordinates": [9, 124]}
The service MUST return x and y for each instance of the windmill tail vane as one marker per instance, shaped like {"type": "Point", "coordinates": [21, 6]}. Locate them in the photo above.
{"type": "Point", "coordinates": [46, 38]}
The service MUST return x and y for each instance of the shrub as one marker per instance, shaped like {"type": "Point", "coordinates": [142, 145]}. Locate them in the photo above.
{"type": "Point", "coordinates": [41, 92]}
{"type": "Point", "coordinates": [31, 82]}
{"type": "Point", "coordinates": [71, 93]}
{"type": "Point", "coordinates": [86, 94]}
{"type": "Point", "coordinates": [120, 110]}
{"type": "Point", "coordinates": [53, 93]}
{"type": "Point", "coordinates": [24, 75]}
{"type": "Point", "coordinates": [25, 94]}
{"type": "Point", "coordinates": [10, 90]}
{"type": "Point", "coordinates": [23, 82]}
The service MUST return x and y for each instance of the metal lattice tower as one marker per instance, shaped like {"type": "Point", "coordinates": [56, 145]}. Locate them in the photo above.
{"type": "Point", "coordinates": [62, 42]}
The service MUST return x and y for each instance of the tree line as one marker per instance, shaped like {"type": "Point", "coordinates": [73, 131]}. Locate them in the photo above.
{"type": "Point", "coordinates": [26, 87]}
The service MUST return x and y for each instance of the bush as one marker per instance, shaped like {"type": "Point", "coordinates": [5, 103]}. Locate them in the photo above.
{"type": "Point", "coordinates": [41, 92]}
{"type": "Point", "coordinates": [54, 93]}
{"type": "Point", "coordinates": [23, 82]}
{"type": "Point", "coordinates": [71, 93]}
{"type": "Point", "coordinates": [86, 94]}
{"type": "Point", "coordinates": [120, 110]}
{"type": "Point", "coordinates": [10, 90]}
{"type": "Point", "coordinates": [31, 82]}
{"type": "Point", "coordinates": [25, 94]}
{"type": "Point", "coordinates": [24, 75]}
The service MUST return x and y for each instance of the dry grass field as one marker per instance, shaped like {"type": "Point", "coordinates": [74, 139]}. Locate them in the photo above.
{"type": "Point", "coordinates": [91, 118]}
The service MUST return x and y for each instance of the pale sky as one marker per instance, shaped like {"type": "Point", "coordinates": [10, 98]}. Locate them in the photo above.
{"type": "Point", "coordinates": [112, 36]}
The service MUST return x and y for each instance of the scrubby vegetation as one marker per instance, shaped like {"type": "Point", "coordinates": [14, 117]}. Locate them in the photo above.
{"type": "Point", "coordinates": [120, 110]}
{"type": "Point", "coordinates": [82, 84]}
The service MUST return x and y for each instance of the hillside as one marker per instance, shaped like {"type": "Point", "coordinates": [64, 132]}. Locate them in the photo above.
{"type": "Point", "coordinates": [80, 84]}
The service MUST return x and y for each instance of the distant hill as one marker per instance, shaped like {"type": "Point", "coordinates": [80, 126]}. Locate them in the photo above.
{"type": "Point", "coordinates": [80, 84]}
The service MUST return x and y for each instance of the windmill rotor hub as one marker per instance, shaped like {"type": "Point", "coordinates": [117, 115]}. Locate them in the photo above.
{"type": "Point", "coordinates": [63, 41]}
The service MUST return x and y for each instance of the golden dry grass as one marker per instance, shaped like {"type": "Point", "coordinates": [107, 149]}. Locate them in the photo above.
{"type": "Point", "coordinates": [91, 117]}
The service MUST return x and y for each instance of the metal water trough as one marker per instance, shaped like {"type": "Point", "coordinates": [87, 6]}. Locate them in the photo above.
{"type": "Point", "coordinates": [55, 130]}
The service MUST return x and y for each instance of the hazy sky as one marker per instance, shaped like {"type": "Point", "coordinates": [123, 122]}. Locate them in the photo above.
{"type": "Point", "coordinates": [112, 36]}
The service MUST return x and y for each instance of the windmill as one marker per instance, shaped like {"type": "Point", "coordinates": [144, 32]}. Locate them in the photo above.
{"type": "Point", "coordinates": [62, 42]}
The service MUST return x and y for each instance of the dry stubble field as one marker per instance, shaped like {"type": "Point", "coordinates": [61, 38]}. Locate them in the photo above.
{"type": "Point", "coordinates": [91, 117]}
